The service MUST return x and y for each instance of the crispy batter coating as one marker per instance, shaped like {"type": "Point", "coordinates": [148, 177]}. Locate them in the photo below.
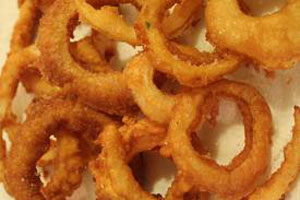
{"type": "Point", "coordinates": [114, 26]}
{"type": "Point", "coordinates": [106, 91]}
{"type": "Point", "coordinates": [160, 53]}
{"type": "Point", "coordinates": [205, 172]}
{"type": "Point", "coordinates": [44, 117]}
{"type": "Point", "coordinates": [271, 41]}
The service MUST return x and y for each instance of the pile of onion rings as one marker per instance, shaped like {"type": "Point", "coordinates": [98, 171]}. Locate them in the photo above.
{"type": "Point", "coordinates": [86, 114]}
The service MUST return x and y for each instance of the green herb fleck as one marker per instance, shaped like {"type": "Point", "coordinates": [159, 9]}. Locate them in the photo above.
{"type": "Point", "coordinates": [148, 25]}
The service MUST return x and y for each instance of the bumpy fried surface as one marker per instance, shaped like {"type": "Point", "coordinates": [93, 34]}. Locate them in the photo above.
{"type": "Point", "coordinates": [274, 48]}
{"type": "Point", "coordinates": [87, 113]}
{"type": "Point", "coordinates": [43, 118]}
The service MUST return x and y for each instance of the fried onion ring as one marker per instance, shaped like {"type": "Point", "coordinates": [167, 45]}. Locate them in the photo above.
{"type": "Point", "coordinates": [150, 32]}
{"type": "Point", "coordinates": [43, 118]}
{"type": "Point", "coordinates": [113, 175]}
{"type": "Point", "coordinates": [106, 92]}
{"type": "Point", "coordinates": [279, 183]}
{"type": "Point", "coordinates": [271, 40]}
{"type": "Point", "coordinates": [224, 182]}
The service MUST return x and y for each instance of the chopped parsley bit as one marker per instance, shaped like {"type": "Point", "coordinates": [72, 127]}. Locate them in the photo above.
{"type": "Point", "coordinates": [148, 25]}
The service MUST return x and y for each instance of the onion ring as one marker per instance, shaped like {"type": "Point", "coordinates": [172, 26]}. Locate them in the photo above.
{"type": "Point", "coordinates": [224, 182]}
{"type": "Point", "coordinates": [149, 31]}
{"type": "Point", "coordinates": [112, 173]}
{"type": "Point", "coordinates": [279, 183]}
{"type": "Point", "coordinates": [43, 117]}
{"type": "Point", "coordinates": [155, 104]}
{"type": "Point", "coordinates": [106, 92]}
{"type": "Point", "coordinates": [114, 26]}
{"type": "Point", "coordinates": [21, 38]}
{"type": "Point", "coordinates": [83, 51]}
{"type": "Point", "coordinates": [275, 48]}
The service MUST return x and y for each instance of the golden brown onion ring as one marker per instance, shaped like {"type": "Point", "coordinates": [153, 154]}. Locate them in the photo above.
{"type": "Point", "coordinates": [279, 183]}
{"type": "Point", "coordinates": [23, 36]}
{"type": "Point", "coordinates": [15, 65]}
{"type": "Point", "coordinates": [106, 91]}
{"type": "Point", "coordinates": [275, 48]}
{"type": "Point", "coordinates": [160, 50]}
{"type": "Point", "coordinates": [206, 173]}
{"type": "Point", "coordinates": [114, 26]}
{"type": "Point", "coordinates": [114, 177]}
{"type": "Point", "coordinates": [158, 106]}
{"type": "Point", "coordinates": [44, 117]}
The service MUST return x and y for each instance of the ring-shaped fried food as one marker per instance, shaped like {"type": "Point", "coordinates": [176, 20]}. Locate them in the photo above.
{"type": "Point", "coordinates": [23, 37]}
{"type": "Point", "coordinates": [20, 56]}
{"type": "Point", "coordinates": [158, 106]}
{"type": "Point", "coordinates": [279, 183]}
{"type": "Point", "coordinates": [44, 117]}
{"type": "Point", "coordinates": [271, 40]}
{"type": "Point", "coordinates": [178, 64]}
{"type": "Point", "coordinates": [114, 26]}
{"type": "Point", "coordinates": [224, 182]}
{"type": "Point", "coordinates": [103, 91]}
{"type": "Point", "coordinates": [89, 52]}
{"type": "Point", "coordinates": [114, 176]}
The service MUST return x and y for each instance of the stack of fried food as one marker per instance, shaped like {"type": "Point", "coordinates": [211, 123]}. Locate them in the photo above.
{"type": "Point", "coordinates": [87, 114]}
